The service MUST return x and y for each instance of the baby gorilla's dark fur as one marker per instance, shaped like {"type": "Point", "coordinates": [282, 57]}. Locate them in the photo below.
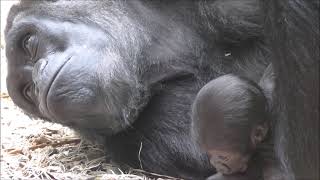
{"type": "Point", "coordinates": [230, 122]}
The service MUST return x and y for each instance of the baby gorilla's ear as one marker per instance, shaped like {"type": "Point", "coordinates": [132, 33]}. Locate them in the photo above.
{"type": "Point", "coordinates": [258, 133]}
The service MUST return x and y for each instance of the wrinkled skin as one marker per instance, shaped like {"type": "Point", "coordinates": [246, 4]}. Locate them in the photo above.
{"type": "Point", "coordinates": [126, 72]}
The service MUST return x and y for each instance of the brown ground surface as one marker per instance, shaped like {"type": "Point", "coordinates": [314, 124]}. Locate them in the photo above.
{"type": "Point", "coordinates": [34, 149]}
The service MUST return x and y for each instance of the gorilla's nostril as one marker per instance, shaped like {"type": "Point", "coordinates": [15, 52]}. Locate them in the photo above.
{"type": "Point", "coordinates": [38, 68]}
{"type": "Point", "coordinates": [36, 90]}
{"type": "Point", "coordinates": [43, 65]}
{"type": "Point", "coordinates": [27, 92]}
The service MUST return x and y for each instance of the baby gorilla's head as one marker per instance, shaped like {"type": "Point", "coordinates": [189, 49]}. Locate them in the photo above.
{"type": "Point", "coordinates": [229, 121]}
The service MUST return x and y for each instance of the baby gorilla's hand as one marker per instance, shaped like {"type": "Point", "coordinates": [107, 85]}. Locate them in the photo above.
{"type": "Point", "coordinates": [239, 176]}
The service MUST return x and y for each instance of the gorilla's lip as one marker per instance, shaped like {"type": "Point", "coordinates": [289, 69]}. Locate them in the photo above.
{"type": "Point", "coordinates": [225, 168]}
{"type": "Point", "coordinates": [50, 85]}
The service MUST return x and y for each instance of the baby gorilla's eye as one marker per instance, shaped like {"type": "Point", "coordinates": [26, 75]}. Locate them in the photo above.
{"type": "Point", "coordinates": [30, 45]}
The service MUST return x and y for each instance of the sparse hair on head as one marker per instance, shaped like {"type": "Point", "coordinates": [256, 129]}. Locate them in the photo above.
{"type": "Point", "coordinates": [240, 101]}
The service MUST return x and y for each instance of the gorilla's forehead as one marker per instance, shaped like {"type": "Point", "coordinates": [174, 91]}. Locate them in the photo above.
{"type": "Point", "coordinates": [115, 22]}
{"type": "Point", "coordinates": [138, 28]}
{"type": "Point", "coordinates": [68, 10]}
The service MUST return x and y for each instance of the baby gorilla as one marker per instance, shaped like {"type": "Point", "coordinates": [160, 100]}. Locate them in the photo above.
{"type": "Point", "coordinates": [230, 120]}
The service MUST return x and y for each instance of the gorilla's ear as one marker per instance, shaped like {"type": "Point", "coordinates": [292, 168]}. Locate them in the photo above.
{"type": "Point", "coordinates": [259, 133]}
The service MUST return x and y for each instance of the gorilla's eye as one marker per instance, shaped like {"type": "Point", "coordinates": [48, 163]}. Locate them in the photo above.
{"type": "Point", "coordinates": [30, 45]}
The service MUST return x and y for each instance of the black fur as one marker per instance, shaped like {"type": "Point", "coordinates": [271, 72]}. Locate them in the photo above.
{"type": "Point", "coordinates": [292, 27]}
{"type": "Point", "coordinates": [165, 52]}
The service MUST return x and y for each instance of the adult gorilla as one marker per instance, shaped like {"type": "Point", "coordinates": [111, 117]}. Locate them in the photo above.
{"type": "Point", "coordinates": [127, 72]}
{"type": "Point", "coordinates": [293, 27]}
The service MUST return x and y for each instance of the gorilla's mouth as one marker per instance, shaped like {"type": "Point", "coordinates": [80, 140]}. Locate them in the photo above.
{"type": "Point", "coordinates": [45, 98]}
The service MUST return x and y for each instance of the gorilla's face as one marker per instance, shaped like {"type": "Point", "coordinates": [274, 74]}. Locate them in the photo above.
{"type": "Point", "coordinates": [70, 73]}
{"type": "Point", "coordinates": [96, 64]}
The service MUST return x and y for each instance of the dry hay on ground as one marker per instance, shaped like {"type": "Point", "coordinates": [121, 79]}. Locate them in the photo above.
{"type": "Point", "coordinates": [34, 149]}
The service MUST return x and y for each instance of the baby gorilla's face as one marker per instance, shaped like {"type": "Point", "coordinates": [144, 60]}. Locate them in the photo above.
{"type": "Point", "coordinates": [228, 121]}
{"type": "Point", "coordinates": [228, 162]}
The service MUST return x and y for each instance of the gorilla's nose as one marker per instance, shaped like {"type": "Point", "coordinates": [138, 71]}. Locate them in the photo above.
{"type": "Point", "coordinates": [38, 71]}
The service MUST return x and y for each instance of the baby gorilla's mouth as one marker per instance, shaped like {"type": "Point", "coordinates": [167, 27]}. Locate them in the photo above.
{"type": "Point", "coordinates": [223, 168]}
{"type": "Point", "coordinates": [227, 170]}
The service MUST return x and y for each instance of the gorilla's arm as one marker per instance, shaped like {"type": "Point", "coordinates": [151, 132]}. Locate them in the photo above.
{"type": "Point", "coordinates": [294, 36]}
